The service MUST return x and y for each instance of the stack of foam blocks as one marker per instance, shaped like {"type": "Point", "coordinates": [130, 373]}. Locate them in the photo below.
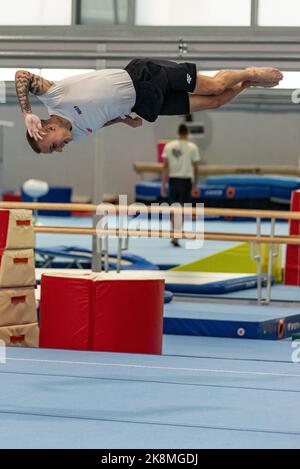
{"type": "Point", "coordinates": [18, 313]}
{"type": "Point", "coordinates": [292, 264]}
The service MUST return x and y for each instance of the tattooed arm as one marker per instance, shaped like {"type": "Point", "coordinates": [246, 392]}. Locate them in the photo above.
{"type": "Point", "coordinates": [26, 83]}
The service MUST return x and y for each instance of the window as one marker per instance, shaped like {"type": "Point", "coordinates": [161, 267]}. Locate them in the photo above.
{"type": "Point", "coordinates": [290, 81]}
{"type": "Point", "coordinates": [279, 13]}
{"type": "Point", "coordinates": [103, 12]}
{"type": "Point", "coordinates": [193, 13]}
{"type": "Point", "coordinates": [36, 12]}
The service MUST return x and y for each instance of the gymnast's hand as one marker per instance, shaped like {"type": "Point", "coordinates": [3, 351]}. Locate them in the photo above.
{"type": "Point", "coordinates": [34, 126]}
{"type": "Point", "coordinates": [133, 121]}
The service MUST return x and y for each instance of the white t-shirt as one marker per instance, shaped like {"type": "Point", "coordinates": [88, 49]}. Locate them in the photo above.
{"type": "Point", "coordinates": [181, 154]}
{"type": "Point", "coordinates": [91, 100]}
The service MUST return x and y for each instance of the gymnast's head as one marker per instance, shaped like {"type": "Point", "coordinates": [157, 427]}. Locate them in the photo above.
{"type": "Point", "coordinates": [57, 134]}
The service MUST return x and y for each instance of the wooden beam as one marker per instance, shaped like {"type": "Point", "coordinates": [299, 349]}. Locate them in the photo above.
{"type": "Point", "coordinates": [210, 170]}
{"type": "Point", "coordinates": [167, 210]}
{"type": "Point", "coordinates": [165, 234]}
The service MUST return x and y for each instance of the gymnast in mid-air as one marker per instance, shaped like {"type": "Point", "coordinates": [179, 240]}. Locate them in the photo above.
{"type": "Point", "coordinates": [80, 105]}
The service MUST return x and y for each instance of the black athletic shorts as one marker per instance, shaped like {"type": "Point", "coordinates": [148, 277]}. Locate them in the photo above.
{"type": "Point", "coordinates": [161, 87]}
{"type": "Point", "coordinates": [180, 190]}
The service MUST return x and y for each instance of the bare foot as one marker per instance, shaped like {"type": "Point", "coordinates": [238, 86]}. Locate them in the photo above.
{"type": "Point", "coordinates": [264, 85]}
{"type": "Point", "coordinates": [266, 76]}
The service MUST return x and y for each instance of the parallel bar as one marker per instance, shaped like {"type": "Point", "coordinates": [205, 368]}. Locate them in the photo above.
{"type": "Point", "coordinates": [188, 235]}
{"type": "Point", "coordinates": [136, 209]}
{"type": "Point", "coordinates": [156, 168]}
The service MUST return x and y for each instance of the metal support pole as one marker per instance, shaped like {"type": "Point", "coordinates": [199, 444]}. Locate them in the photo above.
{"type": "Point", "coordinates": [116, 12]}
{"type": "Point", "coordinates": [259, 270]}
{"type": "Point", "coordinates": [271, 255]}
{"type": "Point", "coordinates": [119, 255]}
{"type": "Point", "coordinates": [96, 248]}
{"type": "Point", "coordinates": [256, 255]}
{"type": "Point", "coordinates": [105, 252]}
{"type": "Point", "coordinates": [254, 14]}
{"type": "Point", "coordinates": [99, 253]}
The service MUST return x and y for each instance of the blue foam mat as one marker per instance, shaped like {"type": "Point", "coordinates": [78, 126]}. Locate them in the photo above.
{"type": "Point", "coordinates": [229, 320]}
{"type": "Point", "coordinates": [217, 288]}
{"type": "Point", "coordinates": [279, 293]}
{"type": "Point", "coordinates": [77, 253]}
{"type": "Point", "coordinates": [257, 180]}
{"type": "Point", "coordinates": [150, 191]}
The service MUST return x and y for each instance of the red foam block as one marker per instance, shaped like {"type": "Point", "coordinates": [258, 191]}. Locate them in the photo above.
{"type": "Point", "coordinates": [295, 207]}
{"type": "Point", "coordinates": [292, 263]}
{"type": "Point", "coordinates": [89, 313]}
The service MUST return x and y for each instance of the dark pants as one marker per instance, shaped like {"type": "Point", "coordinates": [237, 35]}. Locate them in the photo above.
{"type": "Point", "coordinates": [162, 87]}
{"type": "Point", "coordinates": [180, 190]}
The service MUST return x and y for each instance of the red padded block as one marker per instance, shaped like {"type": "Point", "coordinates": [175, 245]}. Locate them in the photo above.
{"type": "Point", "coordinates": [292, 276]}
{"type": "Point", "coordinates": [11, 197]}
{"type": "Point", "coordinates": [16, 229]}
{"type": "Point", "coordinates": [295, 207]}
{"type": "Point", "coordinates": [292, 273]}
{"type": "Point", "coordinates": [65, 313]}
{"type": "Point", "coordinates": [90, 313]}
{"type": "Point", "coordinates": [128, 316]}
{"type": "Point", "coordinates": [160, 149]}
{"type": "Point", "coordinates": [4, 221]}
{"type": "Point", "coordinates": [292, 262]}
{"type": "Point", "coordinates": [292, 255]}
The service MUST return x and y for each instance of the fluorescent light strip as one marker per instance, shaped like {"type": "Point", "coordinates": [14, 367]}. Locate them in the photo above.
{"type": "Point", "coordinates": [291, 79]}
{"type": "Point", "coordinates": [8, 74]}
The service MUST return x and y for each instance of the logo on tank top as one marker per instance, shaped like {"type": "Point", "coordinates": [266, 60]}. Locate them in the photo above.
{"type": "Point", "coordinates": [188, 78]}
{"type": "Point", "coordinates": [89, 130]}
{"type": "Point", "coordinates": [78, 110]}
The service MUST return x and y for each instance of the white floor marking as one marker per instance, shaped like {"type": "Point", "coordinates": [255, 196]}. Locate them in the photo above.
{"type": "Point", "coordinates": [164, 368]}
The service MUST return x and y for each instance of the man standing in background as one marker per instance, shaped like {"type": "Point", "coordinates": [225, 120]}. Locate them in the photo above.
{"type": "Point", "coordinates": [181, 159]}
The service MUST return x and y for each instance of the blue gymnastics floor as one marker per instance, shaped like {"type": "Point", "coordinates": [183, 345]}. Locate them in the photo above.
{"type": "Point", "coordinates": [201, 393]}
